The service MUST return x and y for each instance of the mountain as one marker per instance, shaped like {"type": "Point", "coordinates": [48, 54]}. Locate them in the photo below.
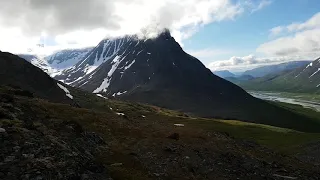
{"type": "Point", "coordinates": [103, 52]}
{"type": "Point", "coordinates": [17, 72]}
{"type": "Point", "coordinates": [238, 79]}
{"type": "Point", "coordinates": [66, 58]}
{"type": "Point", "coordinates": [224, 73]}
{"type": "Point", "coordinates": [38, 62]}
{"type": "Point", "coordinates": [46, 138]}
{"type": "Point", "coordinates": [158, 72]}
{"type": "Point", "coordinates": [274, 69]}
{"type": "Point", "coordinates": [303, 80]}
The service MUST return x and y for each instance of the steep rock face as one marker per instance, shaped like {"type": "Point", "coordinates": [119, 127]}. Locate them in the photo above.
{"type": "Point", "coordinates": [15, 71]}
{"type": "Point", "coordinates": [157, 71]}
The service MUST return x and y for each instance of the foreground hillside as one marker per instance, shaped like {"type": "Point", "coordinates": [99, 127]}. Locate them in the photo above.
{"type": "Point", "coordinates": [15, 71]}
{"type": "Point", "coordinates": [118, 140]}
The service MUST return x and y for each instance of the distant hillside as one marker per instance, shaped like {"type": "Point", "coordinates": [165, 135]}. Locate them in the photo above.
{"type": "Point", "coordinates": [303, 80]}
{"type": "Point", "coordinates": [224, 73]}
{"type": "Point", "coordinates": [239, 79]}
{"type": "Point", "coordinates": [274, 69]}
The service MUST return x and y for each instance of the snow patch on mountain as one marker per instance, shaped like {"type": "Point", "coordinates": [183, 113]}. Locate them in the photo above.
{"type": "Point", "coordinates": [140, 52]}
{"type": "Point", "coordinates": [120, 93]}
{"type": "Point", "coordinates": [105, 51]}
{"type": "Point", "coordinates": [65, 90]}
{"type": "Point", "coordinates": [67, 58]}
{"type": "Point", "coordinates": [106, 82]}
{"type": "Point", "coordinates": [315, 72]}
{"type": "Point", "coordinates": [309, 65]}
{"type": "Point", "coordinates": [39, 62]}
{"type": "Point", "coordinates": [99, 95]}
{"type": "Point", "coordinates": [128, 66]}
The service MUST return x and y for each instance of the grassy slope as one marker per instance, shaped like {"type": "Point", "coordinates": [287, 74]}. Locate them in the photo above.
{"type": "Point", "coordinates": [124, 134]}
{"type": "Point", "coordinates": [284, 82]}
{"type": "Point", "coordinates": [279, 138]}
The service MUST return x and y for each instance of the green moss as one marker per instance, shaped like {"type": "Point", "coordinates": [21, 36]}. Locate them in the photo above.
{"type": "Point", "coordinates": [9, 122]}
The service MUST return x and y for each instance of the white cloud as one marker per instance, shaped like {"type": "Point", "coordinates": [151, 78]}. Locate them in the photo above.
{"type": "Point", "coordinates": [297, 40]}
{"type": "Point", "coordinates": [261, 5]}
{"type": "Point", "coordinates": [312, 23]}
{"type": "Point", "coordinates": [305, 44]}
{"type": "Point", "coordinates": [248, 62]}
{"type": "Point", "coordinates": [86, 22]}
{"type": "Point", "coordinates": [276, 31]}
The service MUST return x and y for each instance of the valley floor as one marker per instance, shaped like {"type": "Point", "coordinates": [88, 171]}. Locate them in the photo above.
{"type": "Point", "coordinates": [306, 100]}
{"type": "Point", "coordinates": [106, 139]}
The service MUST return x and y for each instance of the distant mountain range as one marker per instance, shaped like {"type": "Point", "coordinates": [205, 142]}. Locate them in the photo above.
{"type": "Point", "coordinates": [239, 79]}
{"type": "Point", "coordinates": [260, 72]}
{"type": "Point", "coordinates": [274, 69]}
{"type": "Point", "coordinates": [66, 58]}
{"type": "Point", "coordinates": [305, 79]}
{"type": "Point", "coordinates": [224, 74]}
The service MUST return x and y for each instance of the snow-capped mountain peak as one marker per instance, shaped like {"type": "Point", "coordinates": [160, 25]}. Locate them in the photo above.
{"type": "Point", "coordinates": [38, 62]}
{"type": "Point", "coordinates": [66, 58]}
{"type": "Point", "coordinates": [107, 49]}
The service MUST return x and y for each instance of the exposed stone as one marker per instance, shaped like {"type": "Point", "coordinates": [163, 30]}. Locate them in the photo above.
{"type": "Point", "coordinates": [9, 159]}
{"type": "Point", "coordinates": [2, 130]}
{"type": "Point", "coordinates": [116, 164]}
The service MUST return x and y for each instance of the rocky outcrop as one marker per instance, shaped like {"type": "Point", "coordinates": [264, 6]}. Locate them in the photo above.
{"type": "Point", "coordinates": [34, 148]}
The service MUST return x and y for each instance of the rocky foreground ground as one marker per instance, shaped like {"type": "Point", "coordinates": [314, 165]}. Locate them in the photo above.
{"type": "Point", "coordinates": [42, 140]}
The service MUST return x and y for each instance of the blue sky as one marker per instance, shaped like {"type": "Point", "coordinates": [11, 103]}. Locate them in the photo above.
{"type": "Point", "coordinates": [244, 34]}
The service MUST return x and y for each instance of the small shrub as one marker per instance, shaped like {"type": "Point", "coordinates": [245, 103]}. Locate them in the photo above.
{"type": "Point", "coordinates": [5, 114]}
{"type": "Point", "coordinates": [24, 93]}
{"type": "Point", "coordinates": [6, 98]}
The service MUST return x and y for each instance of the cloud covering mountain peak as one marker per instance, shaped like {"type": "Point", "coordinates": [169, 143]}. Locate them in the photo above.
{"type": "Point", "coordinates": [85, 22]}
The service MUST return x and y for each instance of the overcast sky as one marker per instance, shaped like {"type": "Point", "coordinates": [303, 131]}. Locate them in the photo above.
{"type": "Point", "coordinates": [223, 34]}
